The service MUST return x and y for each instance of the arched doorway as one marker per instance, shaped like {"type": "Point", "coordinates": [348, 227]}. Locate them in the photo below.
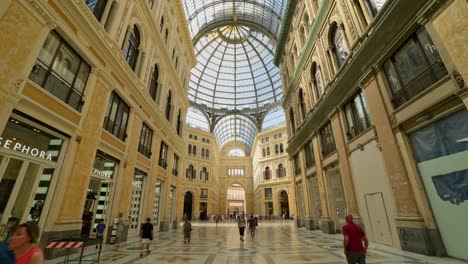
{"type": "Point", "coordinates": [235, 201]}
{"type": "Point", "coordinates": [188, 203]}
{"type": "Point", "coordinates": [284, 204]}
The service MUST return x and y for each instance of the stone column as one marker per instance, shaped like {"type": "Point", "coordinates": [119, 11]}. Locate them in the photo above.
{"type": "Point", "coordinates": [18, 61]}
{"type": "Point", "coordinates": [341, 148]}
{"type": "Point", "coordinates": [75, 183]}
{"type": "Point", "coordinates": [410, 225]}
{"type": "Point", "coordinates": [308, 218]}
{"type": "Point", "coordinates": [327, 224]}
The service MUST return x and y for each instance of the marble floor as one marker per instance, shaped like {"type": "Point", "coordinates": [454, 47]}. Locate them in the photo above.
{"type": "Point", "coordinates": [275, 243]}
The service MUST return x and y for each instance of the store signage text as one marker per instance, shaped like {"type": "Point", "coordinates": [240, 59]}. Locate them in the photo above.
{"type": "Point", "coordinates": [16, 146]}
{"type": "Point", "coordinates": [101, 173]}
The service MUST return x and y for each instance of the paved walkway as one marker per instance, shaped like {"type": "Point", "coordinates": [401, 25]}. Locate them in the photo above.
{"type": "Point", "coordinates": [275, 243]}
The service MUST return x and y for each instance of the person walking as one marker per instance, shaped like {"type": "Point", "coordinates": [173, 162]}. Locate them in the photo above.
{"type": "Point", "coordinates": [120, 229]}
{"type": "Point", "coordinates": [100, 231]}
{"type": "Point", "coordinates": [217, 217]}
{"type": "Point", "coordinates": [353, 234]}
{"type": "Point", "coordinates": [146, 234]}
{"type": "Point", "coordinates": [187, 228]}
{"type": "Point", "coordinates": [23, 243]}
{"type": "Point", "coordinates": [252, 226]}
{"type": "Point", "coordinates": [241, 225]}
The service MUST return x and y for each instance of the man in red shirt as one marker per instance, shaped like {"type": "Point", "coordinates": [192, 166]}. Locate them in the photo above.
{"type": "Point", "coordinates": [353, 237]}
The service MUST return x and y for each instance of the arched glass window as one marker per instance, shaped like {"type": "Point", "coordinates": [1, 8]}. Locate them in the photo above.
{"type": "Point", "coordinates": [302, 104]}
{"type": "Point", "coordinates": [194, 150]}
{"type": "Point", "coordinates": [161, 23]}
{"type": "Point", "coordinates": [207, 153]}
{"type": "Point", "coordinates": [153, 91]}
{"type": "Point", "coordinates": [191, 174]}
{"type": "Point", "coordinates": [236, 153]}
{"type": "Point", "coordinates": [131, 53]}
{"type": "Point", "coordinates": [374, 6]}
{"type": "Point", "coordinates": [281, 148]}
{"type": "Point", "coordinates": [267, 173]}
{"type": "Point", "coordinates": [166, 35]}
{"type": "Point", "coordinates": [190, 149]}
{"type": "Point", "coordinates": [281, 172]}
{"type": "Point", "coordinates": [203, 152]}
{"type": "Point", "coordinates": [276, 149]}
{"type": "Point", "coordinates": [268, 151]}
{"type": "Point", "coordinates": [168, 105]}
{"type": "Point", "coordinates": [97, 7]}
{"type": "Point", "coordinates": [292, 121]}
{"type": "Point", "coordinates": [179, 124]}
{"type": "Point", "coordinates": [204, 174]}
{"type": "Point", "coordinates": [317, 80]}
{"type": "Point", "coordinates": [339, 46]}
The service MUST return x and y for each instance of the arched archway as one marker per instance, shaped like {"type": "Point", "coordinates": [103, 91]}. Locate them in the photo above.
{"type": "Point", "coordinates": [188, 205]}
{"type": "Point", "coordinates": [284, 204]}
{"type": "Point", "coordinates": [235, 200]}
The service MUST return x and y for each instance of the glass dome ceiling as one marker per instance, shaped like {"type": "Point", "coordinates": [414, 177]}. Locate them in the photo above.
{"type": "Point", "coordinates": [235, 71]}
{"type": "Point", "coordinates": [235, 76]}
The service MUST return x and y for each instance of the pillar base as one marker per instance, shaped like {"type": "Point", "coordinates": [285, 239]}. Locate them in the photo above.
{"type": "Point", "coordinates": [309, 223]}
{"type": "Point", "coordinates": [164, 226]}
{"type": "Point", "coordinates": [416, 237]}
{"type": "Point", "coordinates": [175, 223]}
{"type": "Point", "coordinates": [300, 222]}
{"type": "Point", "coordinates": [327, 226]}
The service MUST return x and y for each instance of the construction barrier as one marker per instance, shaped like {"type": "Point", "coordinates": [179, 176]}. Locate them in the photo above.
{"type": "Point", "coordinates": [74, 243]}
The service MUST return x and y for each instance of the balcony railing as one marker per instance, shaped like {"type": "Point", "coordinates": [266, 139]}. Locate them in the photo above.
{"type": "Point", "coordinates": [361, 125]}
{"type": "Point", "coordinates": [56, 85]}
{"type": "Point", "coordinates": [424, 80]}
{"type": "Point", "coordinates": [114, 128]}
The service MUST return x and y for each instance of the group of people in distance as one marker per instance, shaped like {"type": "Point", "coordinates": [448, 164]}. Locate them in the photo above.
{"type": "Point", "coordinates": [22, 243]}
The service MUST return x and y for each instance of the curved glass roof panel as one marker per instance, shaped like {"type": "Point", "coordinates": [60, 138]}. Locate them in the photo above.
{"type": "Point", "coordinates": [235, 70]}
{"type": "Point", "coordinates": [267, 14]}
{"type": "Point", "coordinates": [236, 153]}
{"type": "Point", "coordinates": [235, 128]}
{"type": "Point", "coordinates": [274, 118]}
{"type": "Point", "coordinates": [195, 118]}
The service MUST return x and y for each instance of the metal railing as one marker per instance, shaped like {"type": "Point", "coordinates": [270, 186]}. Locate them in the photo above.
{"type": "Point", "coordinates": [424, 80]}
{"type": "Point", "coordinates": [114, 128]}
{"type": "Point", "coordinates": [52, 82]}
{"type": "Point", "coordinates": [358, 127]}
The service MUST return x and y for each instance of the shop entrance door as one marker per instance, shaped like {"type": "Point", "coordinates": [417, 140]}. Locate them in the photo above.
{"type": "Point", "coordinates": [24, 185]}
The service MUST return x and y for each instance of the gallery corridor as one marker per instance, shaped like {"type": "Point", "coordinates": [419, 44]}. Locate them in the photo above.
{"type": "Point", "coordinates": [276, 243]}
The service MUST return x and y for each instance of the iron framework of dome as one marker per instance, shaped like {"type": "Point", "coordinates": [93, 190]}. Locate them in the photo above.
{"type": "Point", "coordinates": [235, 41]}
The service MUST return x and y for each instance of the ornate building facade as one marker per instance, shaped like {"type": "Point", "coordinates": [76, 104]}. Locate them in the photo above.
{"type": "Point", "coordinates": [377, 110]}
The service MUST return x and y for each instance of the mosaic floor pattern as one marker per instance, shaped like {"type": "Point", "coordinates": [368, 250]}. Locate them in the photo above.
{"type": "Point", "coordinates": [275, 243]}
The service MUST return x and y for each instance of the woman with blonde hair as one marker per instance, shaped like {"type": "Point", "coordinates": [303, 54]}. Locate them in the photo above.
{"type": "Point", "coordinates": [23, 242]}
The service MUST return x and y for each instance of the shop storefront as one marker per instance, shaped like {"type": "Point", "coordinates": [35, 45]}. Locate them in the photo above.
{"type": "Point", "coordinates": [100, 193]}
{"type": "Point", "coordinates": [139, 178]}
{"type": "Point", "coordinates": [337, 198]}
{"type": "Point", "coordinates": [314, 200]}
{"type": "Point", "coordinates": [31, 157]}
{"type": "Point", "coordinates": [158, 190]}
{"type": "Point", "coordinates": [441, 153]}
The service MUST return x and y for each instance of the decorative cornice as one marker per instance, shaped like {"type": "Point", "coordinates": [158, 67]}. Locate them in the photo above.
{"type": "Point", "coordinates": [186, 33]}
{"type": "Point", "coordinates": [285, 25]}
